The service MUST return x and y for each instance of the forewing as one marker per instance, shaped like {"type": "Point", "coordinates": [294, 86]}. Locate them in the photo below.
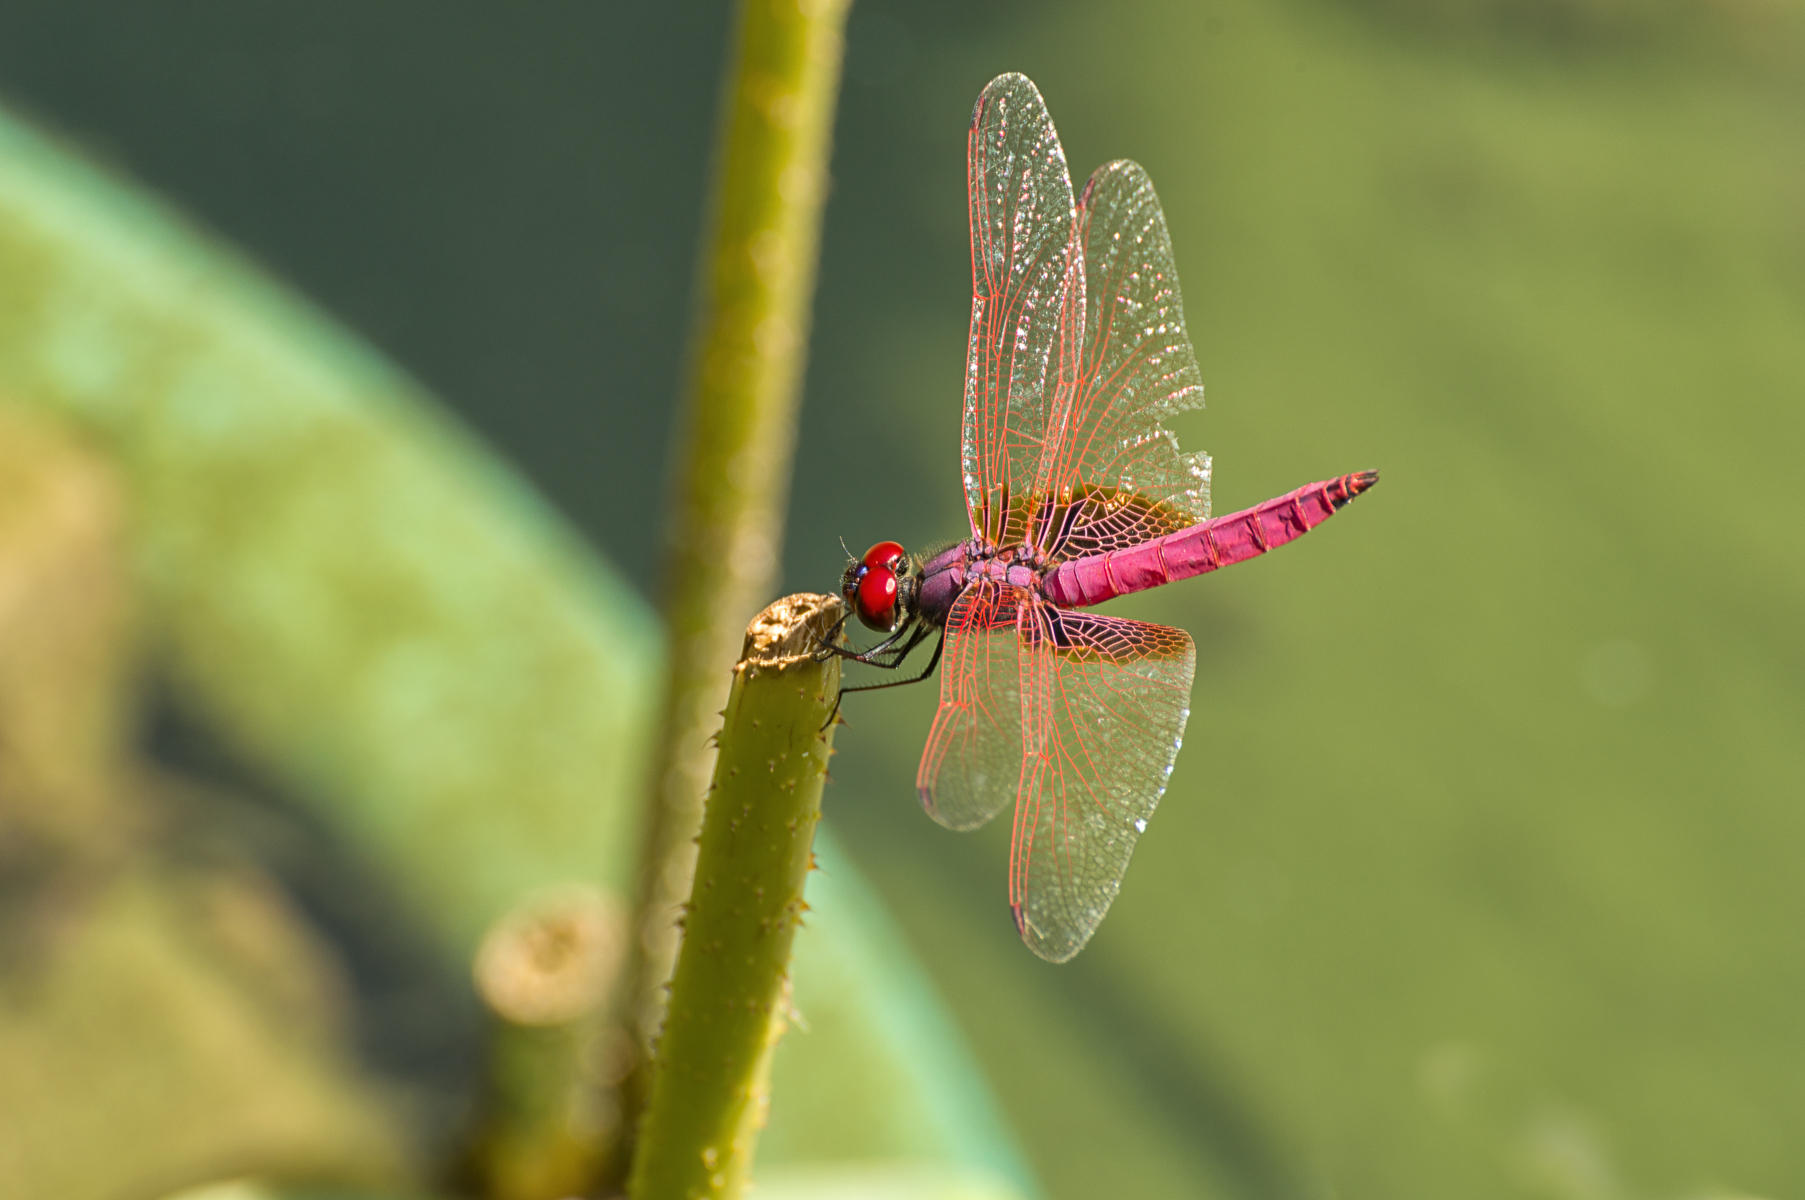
{"type": "Point", "coordinates": [1024, 269]}
{"type": "Point", "coordinates": [1137, 368]}
{"type": "Point", "coordinates": [1103, 703]}
{"type": "Point", "coordinates": [973, 757]}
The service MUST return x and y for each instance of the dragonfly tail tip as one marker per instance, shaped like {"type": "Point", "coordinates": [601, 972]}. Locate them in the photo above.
{"type": "Point", "coordinates": [1348, 486]}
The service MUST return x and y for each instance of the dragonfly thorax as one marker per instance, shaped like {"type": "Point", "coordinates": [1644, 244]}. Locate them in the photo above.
{"type": "Point", "coordinates": [881, 587]}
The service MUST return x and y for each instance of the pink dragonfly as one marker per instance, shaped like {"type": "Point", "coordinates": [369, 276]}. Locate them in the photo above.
{"type": "Point", "coordinates": [1076, 494]}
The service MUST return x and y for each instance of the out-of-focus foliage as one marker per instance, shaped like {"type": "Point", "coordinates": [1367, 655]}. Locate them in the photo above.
{"type": "Point", "coordinates": [170, 1011]}
{"type": "Point", "coordinates": [332, 573]}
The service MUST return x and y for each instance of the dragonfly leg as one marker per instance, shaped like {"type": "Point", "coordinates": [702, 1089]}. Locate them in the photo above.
{"type": "Point", "coordinates": [933, 662]}
{"type": "Point", "coordinates": [873, 656]}
{"type": "Point", "coordinates": [920, 636]}
{"type": "Point", "coordinates": [827, 649]}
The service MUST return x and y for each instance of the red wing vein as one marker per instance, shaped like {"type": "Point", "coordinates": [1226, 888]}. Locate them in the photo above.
{"type": "Point", "coordinates": [1103, 727]}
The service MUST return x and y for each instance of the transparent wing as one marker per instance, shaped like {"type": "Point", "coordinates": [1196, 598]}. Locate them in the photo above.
{"type": "Point", "coordinates": [973, 757]}
{"type": "Point", "coordinates": [1117, 476]}
{"type": "Point", "coordinates": [1103, 704]}
{"type": "Point", "coordinates": [1024, 264]}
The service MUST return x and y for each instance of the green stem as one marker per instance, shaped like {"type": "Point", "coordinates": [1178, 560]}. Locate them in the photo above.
{"type": "Point", "coordinates": [730, 988]}
{"type": "Point", "coordinates": [738, 427]}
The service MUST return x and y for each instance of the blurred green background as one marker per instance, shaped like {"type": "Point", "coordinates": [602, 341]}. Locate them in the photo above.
{"type": "Point", "coordinates": [1478, 873]}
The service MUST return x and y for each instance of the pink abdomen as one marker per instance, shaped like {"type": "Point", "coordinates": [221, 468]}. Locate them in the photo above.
{"type": "Point", "coordinates": [1218, 542]}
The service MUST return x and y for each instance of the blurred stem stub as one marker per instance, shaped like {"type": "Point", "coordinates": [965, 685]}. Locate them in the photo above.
{"type": "Point", "coordinates": [731, 986]}
{"type": "Point", "coordinates": [737, 432]}
{"type": "Point", "coordinates": [545, 972]}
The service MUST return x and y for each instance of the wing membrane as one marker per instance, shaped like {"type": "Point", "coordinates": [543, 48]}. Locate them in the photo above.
{"type": "Point", "coordinates": [974, 752]}
{"type": "Point", "coordinates": [1103, 703]}
{"type": "Point", "coordinates": [1136, 369]}
{"type": "Point", "coordinates": [1077, 355]}
{"type": "Point", "coordinates": [1023, 265]}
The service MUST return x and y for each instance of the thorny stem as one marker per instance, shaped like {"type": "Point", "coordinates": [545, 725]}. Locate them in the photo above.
{"type": "Point", "coordinates": [730, 989]}
{"type": "Point", "coordinates": [737, 432]}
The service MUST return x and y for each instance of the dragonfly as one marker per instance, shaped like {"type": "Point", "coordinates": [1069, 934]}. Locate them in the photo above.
{"type": "Point", "coordinates": [1077, 493]}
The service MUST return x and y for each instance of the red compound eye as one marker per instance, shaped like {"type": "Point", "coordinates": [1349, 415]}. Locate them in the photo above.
{"type": "Point", "coordinates": [877, 598]}
{"type": "Point", "coordinates": [872, 583]}
{"type": "Point", "coordinates": [888, 555]}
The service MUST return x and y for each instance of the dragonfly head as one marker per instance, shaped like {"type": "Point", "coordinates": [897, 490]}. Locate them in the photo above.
{"type": "Point", "coordinates": [880, 587]}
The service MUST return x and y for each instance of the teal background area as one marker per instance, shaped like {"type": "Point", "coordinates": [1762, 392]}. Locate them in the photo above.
{"type": "Point", "coordinates": [1478, 875]}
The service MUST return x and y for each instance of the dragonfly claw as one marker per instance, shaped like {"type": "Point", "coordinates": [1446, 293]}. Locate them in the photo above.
{"type": "Point", "coordinates": [830, 646]}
